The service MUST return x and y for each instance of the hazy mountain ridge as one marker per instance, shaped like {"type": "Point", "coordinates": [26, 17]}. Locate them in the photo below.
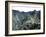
{"type": "Point", "coordinates": [22, 12]}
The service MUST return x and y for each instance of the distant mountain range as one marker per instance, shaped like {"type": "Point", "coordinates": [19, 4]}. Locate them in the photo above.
{"type": "Point", "coordinates": [29, 12]}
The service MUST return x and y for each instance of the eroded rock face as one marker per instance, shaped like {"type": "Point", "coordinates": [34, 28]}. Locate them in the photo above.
{"type": "Point", "coordinates": [26, 20]}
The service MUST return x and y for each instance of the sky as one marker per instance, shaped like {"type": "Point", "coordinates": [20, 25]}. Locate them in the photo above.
{"type": "Point", "coordinates": [25, 8]}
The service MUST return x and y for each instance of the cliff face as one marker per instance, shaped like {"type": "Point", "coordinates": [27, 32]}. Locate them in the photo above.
{"type": "Point", "coordinates": [26, 20]}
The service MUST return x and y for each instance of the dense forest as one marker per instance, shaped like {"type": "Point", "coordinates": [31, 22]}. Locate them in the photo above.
{"type": "Point", "coordinates": [25, 20]}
